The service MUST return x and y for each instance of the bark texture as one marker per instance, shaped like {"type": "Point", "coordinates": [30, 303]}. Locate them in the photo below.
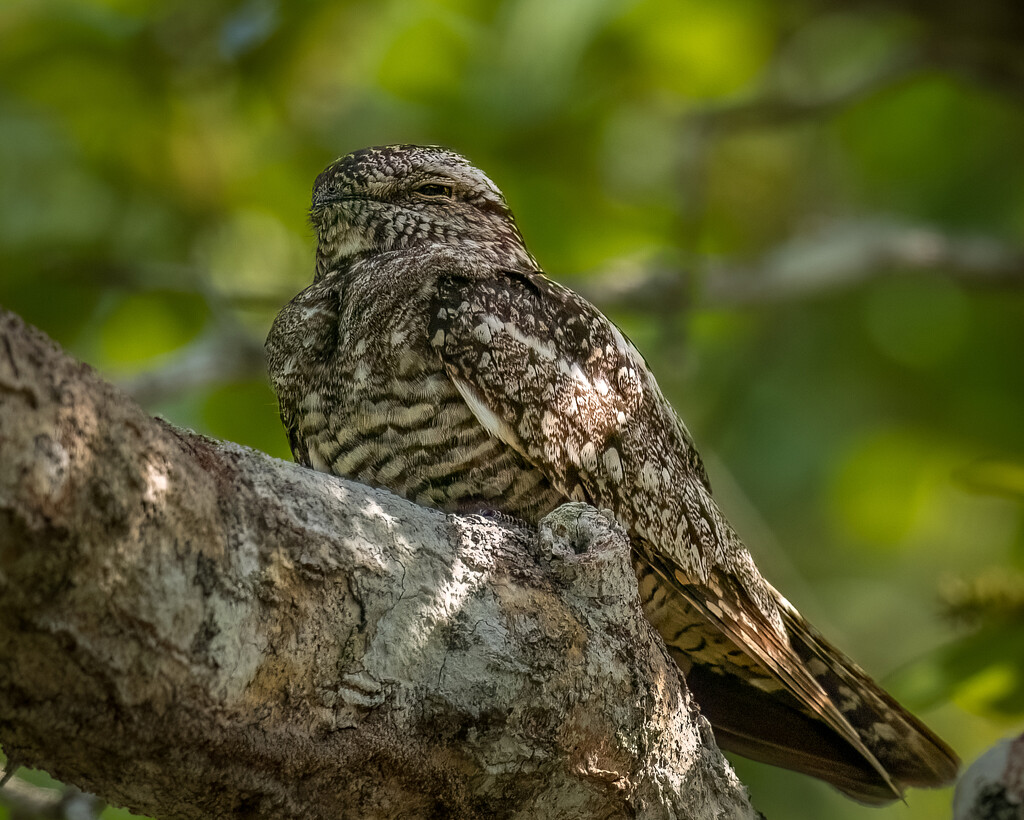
{"type": "Point", "coordinates": [189, 628]}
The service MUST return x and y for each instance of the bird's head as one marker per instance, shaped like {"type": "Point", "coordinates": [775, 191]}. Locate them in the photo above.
{"type": "Point", "coordinates": [411, 196]}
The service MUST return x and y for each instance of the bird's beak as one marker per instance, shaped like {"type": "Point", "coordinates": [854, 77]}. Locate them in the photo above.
{"type": "Point", "coordinates": [323, 198]}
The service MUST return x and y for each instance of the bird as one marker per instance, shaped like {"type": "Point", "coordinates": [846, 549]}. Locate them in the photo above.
{"type": "Point", "coordinates": [432, 356]}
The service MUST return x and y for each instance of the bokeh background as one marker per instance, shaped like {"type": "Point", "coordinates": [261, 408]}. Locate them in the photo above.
{"type": "Point", "coordinates": [808, 214]}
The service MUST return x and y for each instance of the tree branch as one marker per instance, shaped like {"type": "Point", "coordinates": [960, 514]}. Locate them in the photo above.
{"type": "Point", "coordinates": [193, 629]}
{"type": "Point", "coordinates": [24, 801]}
{"type": "Point", "coordinates": [775, 108]}
{"type": "Point", "coordinates": [838, 256]}
{"type": "Point", "coordinates": [216, 358]}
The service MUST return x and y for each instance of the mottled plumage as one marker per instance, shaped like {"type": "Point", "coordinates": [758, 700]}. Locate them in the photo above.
{"type": "Point", "coordinates": [432, 357]}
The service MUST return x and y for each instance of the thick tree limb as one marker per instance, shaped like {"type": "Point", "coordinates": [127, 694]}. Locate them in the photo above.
{"type": "Point", "coordinates": [193, 629]}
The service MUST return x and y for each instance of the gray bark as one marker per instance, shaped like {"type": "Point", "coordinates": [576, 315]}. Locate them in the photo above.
{"type": "Point", "coordinates": [189, 628]}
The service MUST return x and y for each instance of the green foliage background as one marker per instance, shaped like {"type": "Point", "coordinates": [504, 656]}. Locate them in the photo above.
{"type": "Point", "coordinates": [808, 215]}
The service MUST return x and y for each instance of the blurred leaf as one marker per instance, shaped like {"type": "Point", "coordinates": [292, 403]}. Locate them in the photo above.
{"type": "Point", "coordinates": [37, 777]}
{"type": "Point", "coordinates": [983, 672]}
{"type": "Point", "coordinates": [960, 181]}
{"type": "Point", "coordinates": [880, 487]}
{"type": "Point", "coordinates": [145, 325]}
{"type": "Point", "coordinates": [994, 477]}
{"type": "Point", "coordinates": [425, 57]}
{"type": "Point", "coordinates": [253, 252]}
{"type": "Point", "coordinates": [917, 323]}
{"type": "Point", "coordinates": [994, 595]}
{"type": "Point", "coordinates": [113, 813]}
{"type": "Point", "coordinates": [247, 413]}
{"type": "Point", "coordinates": [62, 312]}
{"type": "Point", "coordinates": [697, 49]}
{"type": "Point", "coordinates": [834, 52]}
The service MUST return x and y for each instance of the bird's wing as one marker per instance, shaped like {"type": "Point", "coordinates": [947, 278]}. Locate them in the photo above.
{"type": "Point", "coordinates": [304, 334]}
{"type": "Point", "coordinates": [547, 373]}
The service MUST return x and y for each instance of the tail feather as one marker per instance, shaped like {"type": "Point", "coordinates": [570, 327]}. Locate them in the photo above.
{"type": "Point", "coordinates": [788, 697]}
{"type": "Point", "coordinates": [773, 726]}
{"type": "Point", "coordinates": [908, 750]}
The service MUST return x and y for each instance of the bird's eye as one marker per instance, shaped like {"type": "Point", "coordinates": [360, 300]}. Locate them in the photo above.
{"type": "Point", "coordinates": [432, 189]}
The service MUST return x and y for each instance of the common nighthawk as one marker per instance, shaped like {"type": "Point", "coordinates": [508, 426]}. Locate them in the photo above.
{"type": "Point", "coordinates": [431, 356]}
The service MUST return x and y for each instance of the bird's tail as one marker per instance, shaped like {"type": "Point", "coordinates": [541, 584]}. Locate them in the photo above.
{"type": "Point", "coordinates": [776, 691]}
{"type": "Point", "coordinates": [881, 750]}
{"type": "Point", "coordinates": [910, 753]}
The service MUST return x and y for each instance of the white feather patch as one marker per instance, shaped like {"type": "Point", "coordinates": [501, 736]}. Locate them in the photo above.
{"type": "Point", "coordinates": [488, 418]}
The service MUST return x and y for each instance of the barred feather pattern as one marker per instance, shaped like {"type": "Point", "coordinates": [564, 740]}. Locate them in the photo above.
{"type": "Point", "coordinates": [431, 357]}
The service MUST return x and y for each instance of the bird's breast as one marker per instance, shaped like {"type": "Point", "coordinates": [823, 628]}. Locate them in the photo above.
{"type": "Point", "coordinates": [389, 416]}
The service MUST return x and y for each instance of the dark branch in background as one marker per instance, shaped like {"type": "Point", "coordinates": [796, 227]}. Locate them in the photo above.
{"type": "Point", "coordinates": [837, 256]}
{"type": "Point", "coordinates": [192, 629]}
{"type": "Point", "coordinates": [216, 358]}
{"type": "Point", "coordinates": [699, 131]}
{"type": "Point", "coordinates": [774, 109]}
{"type": "Point", "coordinates": [980, 42]}
{"type": "Point", "coordinates": [226, 353]}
